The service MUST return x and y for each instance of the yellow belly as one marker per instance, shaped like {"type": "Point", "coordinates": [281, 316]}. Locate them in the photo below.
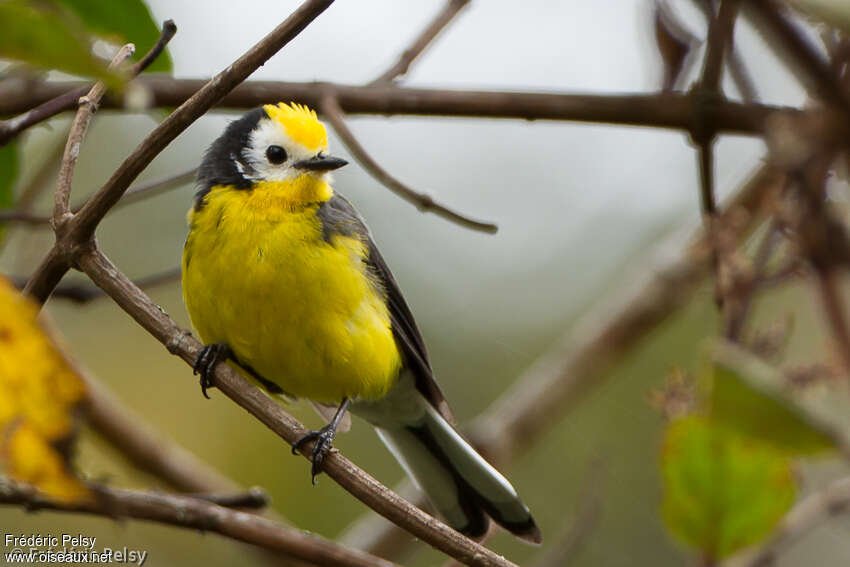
{"type": "Point", "coordinates": [258, 275]}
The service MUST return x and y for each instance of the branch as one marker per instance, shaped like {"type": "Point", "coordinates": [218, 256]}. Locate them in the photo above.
{"type": "Point", "coordinates": [446, 15]}
{"type": "Point", "coordinates": [424, 202]}
{"type": "Point", "coordinates": [720, 32]}
{"type": "Point", "coordinates": [814, 509]}
{"type": "Point", "coordinates": [134, 194]}
{"type": "Point", "coordinates": [83, 293]}
{"type": "Point", "coordinates": [804, 60]}
{"type": "Point", "coordinates": [664, 110]}
{"type": "Point", "coordinates": [10, 128]}
{"type": "Point", "coordinates": [85, 112]}
{"type": "Point", "coordinates": [80, 228]}
{"type": "Point", "coordinates": [198, 514]}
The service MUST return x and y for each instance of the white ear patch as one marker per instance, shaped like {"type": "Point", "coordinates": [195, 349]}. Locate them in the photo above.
{"type": "Point", "coordinates": [270, 133]}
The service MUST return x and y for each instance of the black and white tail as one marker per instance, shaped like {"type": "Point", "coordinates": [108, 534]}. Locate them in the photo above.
{"type": "Point", "coordinates": [464, 488]}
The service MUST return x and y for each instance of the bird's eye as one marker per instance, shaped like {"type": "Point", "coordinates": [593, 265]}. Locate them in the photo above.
{"type": "Point", "coordinates": [276, 155]}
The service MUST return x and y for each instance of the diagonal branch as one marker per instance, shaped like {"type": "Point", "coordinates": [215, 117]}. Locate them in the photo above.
{"type": "Point", "coordinates": [424, 202]}
{"type": "Point", "coordinates": [80, 229]}
{"type": "Point", "coordinates": [199, 514]}
{"type": "Point", "coordinates": [88, 106]}
{"type": "Point", "coordinates": [68, 99]}
{"type": "Point", "coordinates": [400, 67]}
{"type": "Point", "coordinates": [357, 482]}
{"type": "Point", "coordinates": [803, 59]}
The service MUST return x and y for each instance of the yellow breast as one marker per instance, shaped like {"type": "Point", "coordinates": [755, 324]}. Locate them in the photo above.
{"type": "Point", "coordinates": [300, 310]}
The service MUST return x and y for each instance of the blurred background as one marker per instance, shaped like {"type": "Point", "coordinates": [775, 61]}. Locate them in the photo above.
{"type": "Point", "coordinates": [580, 208]}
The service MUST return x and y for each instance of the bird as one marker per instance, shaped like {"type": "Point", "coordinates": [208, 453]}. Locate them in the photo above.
{"type": "Point", "coordinates": [283, 281]}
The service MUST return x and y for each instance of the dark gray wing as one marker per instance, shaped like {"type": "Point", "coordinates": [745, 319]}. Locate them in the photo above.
{"type": "Point", "coordinates": [338, 216]}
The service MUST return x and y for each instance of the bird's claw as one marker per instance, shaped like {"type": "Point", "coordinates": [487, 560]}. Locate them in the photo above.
{"type": "Point", "coordinates": [209, 356]}
{"type": "Point", "coordinates": [324, 438]}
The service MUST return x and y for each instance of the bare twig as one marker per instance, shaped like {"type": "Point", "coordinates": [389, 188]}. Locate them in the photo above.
{"type": "Point", "coordinates": [199, 514]}
{"type": "Point", "coordinates": [804, 59]}
{"type": "Point", "coordinates": [88, 106]}
{"type": "Point", "coordinates": [83, 293]}
{"type": "Point", "coordinates": [134, 194]}
{"type": "Point", "coordinates": [68, 99]}
{"type": "Point", "coordinates": [400, 67]}
{"type": "Point", "coordinates": [142, 191]}
{"type": "Point", "coordinates": [720, 32]}
{"type": "Point", "coordinates": [424, 202]}
{"type": "Point", "coordinates": [169, 28]}
{"type": "Point", "coordinates": [675, 43]}
{"type": "Point", "coordinates": [816, 508]}
{"type": "Point", "coordinates": [80, 229]}
{"type": "Point", "coordinates": [665, 110]}
{"type": "Point", "coordinates": [254, 498]}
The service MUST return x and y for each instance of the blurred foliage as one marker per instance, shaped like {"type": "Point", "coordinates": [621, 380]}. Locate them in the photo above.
{"type": "Point", "coordinates": [727, 462]}
{"type": "Point", "coordinates": [750, 408]}
{"type": "Point", "coordinates": [722, 491]}
{"type": "Point", "coordinates": [38, 394]}
{"type": "Point", "coordinates": [8, 175]}
{"type": "Point", "coordinates": [121, 22]}
{"type": "Point", "coordinates": [49, 37]}
{"type": "Point", "coordinates": [60, 34]}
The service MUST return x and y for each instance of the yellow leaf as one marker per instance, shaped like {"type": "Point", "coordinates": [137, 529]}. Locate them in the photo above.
{"type": "Point", "coordinates": [38, 394]}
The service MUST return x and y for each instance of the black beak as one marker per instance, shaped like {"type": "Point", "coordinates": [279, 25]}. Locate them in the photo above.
{"type": "Point", "coordinates": [320, 163]}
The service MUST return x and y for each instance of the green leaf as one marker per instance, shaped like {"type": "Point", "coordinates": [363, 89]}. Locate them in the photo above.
{"type": "Point", "coordinates": [746, 395]}
{"type": "Point", "coordinates": [46, 36]}
{"type": "Point", "coordinates": [722, 491]}
{"type": "Point", "coordinates": [125, 21]}
{"type": "Point", "coordinates": [8, 175]}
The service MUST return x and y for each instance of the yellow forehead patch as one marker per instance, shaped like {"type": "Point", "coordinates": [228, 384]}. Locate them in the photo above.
{"type": "Point", "coordinates": [301, 124]}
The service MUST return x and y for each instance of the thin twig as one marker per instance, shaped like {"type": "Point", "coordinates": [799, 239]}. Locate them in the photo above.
{"type": "Point", "coordinates": [67, 100]}
{"type": "Point", "coordinates": [134, 194]}
{"type": "Point", "coordinates": [400, 67]}
{"type": "Point", "coordinates": [813, 510]}
{"type": "Point", "coordinates": [83, 293]}
{"type": "Point", "coordinates": [336, 466]}
{"type": "Point", "coordinates": [804, 60]}
{"type": "Point", "coordinates": [661, 110]}
{"type": "Point", "coordinates": [424, 202]}
{"type": "Point", "coordinates": [169, 28]}
{"type": "Point", "coordinates": [198, 514]}
{"type": "Point", "coordinates": [80, 229]}
{"type": "Point", "coordinates": [720, 33]}
{"type": "Point", "coordinates": [255, 498]}
{"type": "Point", "coordinates": [85, 112]}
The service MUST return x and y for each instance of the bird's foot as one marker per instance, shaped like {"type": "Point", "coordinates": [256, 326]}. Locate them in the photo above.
{"type": "Point", "coordinates": [204, 365]}
{"type": "Point", "coordinates": [324, 439]}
